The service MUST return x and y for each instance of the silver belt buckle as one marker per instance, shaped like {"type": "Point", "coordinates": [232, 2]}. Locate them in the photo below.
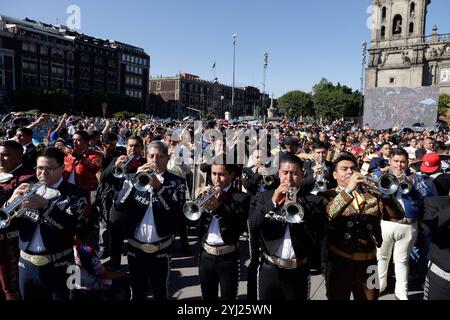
{"type": "Point", "coordinates": [149, 248]}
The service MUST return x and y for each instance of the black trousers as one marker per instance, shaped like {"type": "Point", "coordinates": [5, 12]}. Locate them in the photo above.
{"type": "Point", "coordinates": [154, 266]}
{"type": "Point", "coordinates": [47, 282]}
{"type": "Point", "coordinates": [117, 237]}
{"type": "Point", "coordinates": [219, 270]}
{"type": "Point", "coordinates": [436, 288]}
{"type": "Point", "coordinates": [282, 284]}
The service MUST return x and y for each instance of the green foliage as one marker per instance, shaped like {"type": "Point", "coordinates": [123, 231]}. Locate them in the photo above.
{"type": "Point", "coordinates": [44, 100]}
{"type": "Point", "coordinates": [141, 116]}
{"type": "Point", "coordinates": [123, 115]}
{"type": "Point", "coordinates": [209, 114]}
{"type": "Point", "coordinates": [33, 112]}
{"type": "Point", "coordinates": [91, 103]}
{"type": "Point", "coordinates": [296, 103]}
{"type": "Point", "coordinates": [335, 101]}
{"type": "Point", "coordinates": [444, 104]}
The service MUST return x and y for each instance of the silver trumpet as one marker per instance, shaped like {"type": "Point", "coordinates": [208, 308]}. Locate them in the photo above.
{"type": "Point", "coordinates": [268, 180]}
{"type": "Point", "coordinates": [291, 212]}
{"type": "Point", "coordinates": [405, 185]}
{"type": "Point", "coordinates": [386, 185]}
{"type": "Point", "coordinates": [321, 182]}
{"type": "Point", "coordinates": [193, 209]}
{"type": "Point", "coordinates": [7, 213]}
{"type": "Point", "coordinates": [121, 170]}
{"type": "Point", "coordinates": [142, 180]}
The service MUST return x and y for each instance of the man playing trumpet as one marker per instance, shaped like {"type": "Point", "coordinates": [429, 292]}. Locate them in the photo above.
{"type": "Point", "coordinates": [151, 209]}
{"type": "Point", "coordinates": [219, 232]}
{"type": "Point", "coordinates": [287, 240]}
{"type": "Point", "coordinates": [399, 235]}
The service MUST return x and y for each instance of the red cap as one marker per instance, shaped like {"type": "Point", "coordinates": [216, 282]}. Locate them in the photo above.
{"type": "Point", "coordinates": [431, 162]}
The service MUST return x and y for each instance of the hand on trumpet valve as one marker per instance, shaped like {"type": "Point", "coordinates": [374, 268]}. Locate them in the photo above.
{"type": "Point", "coordinates": [355, 180]}
{"type": "Point", "coordinates": [35, 201]}
{"type": "Point", "coordinates": [151, 168]}
{"type": "Point", "coordinates": [280, 192]}
{"type": "Point", "coordinates": [120, 160]}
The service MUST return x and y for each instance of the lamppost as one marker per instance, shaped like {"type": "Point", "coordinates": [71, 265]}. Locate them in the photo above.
{"type": "Point", "coordinates": [266, 62]}
{"type": "Point", "coordinates": [234, 68]}
{"type": "Point", "coordinates": [363, 64]}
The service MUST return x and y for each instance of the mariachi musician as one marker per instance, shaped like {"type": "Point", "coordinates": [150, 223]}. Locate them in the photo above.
{"type": "Point", "coordinates": [47, 215]}
{"type": "Point", "coordinates": [221, 224]}
{"type": "Point", "coordinates": [152, 202]}
{"type": "Point", "coordinates": [354, 233]}
{"type": "Point", "coordinates": [12, 174]}
{"type": "Point", "coordinates": [289, 222]}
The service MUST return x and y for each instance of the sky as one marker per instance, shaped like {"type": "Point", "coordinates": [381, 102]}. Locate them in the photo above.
{"type": "Point", "coordinates": [305, 40]}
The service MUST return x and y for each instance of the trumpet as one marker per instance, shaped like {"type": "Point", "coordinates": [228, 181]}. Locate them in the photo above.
{"type": "Point", "coordinates": [121, 170]}
{"type": "Point", "coordinates": [193, 209]}
{"type": "Point", "coordinates": [386, 185]}
{"type": "Point", "coordinates": [291, 212]}
{"type": "Point", "coordinates": [7, 213]}
{"type": "Point", "coordinates": [321, 183]}
{"type": "Point", "coordinates": [142, 180]}
{"type": "Point", "coordinates": [268, 180]}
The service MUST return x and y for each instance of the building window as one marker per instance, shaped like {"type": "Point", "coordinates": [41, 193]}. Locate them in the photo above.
{"type": "Point", "coordinates": [392, 80]}
{"type": "Point", "coordinates": [158, 85]}
{"type": "Point", "coordinates": [44, 51]}
{"type": "Point", "coordinates": [412, 10]}
{"type": "Point", "coordinates": [411, 27]}
{"type": "Point", "coordinates": [397, 25]}
{"type": "Point", "coordinates": [383, 13]}
{"type": "Point", "coordinates": [383, 32]}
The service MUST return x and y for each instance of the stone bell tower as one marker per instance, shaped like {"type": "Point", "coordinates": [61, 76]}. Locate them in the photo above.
{"type": "Point", "coordinates": [397, 51]}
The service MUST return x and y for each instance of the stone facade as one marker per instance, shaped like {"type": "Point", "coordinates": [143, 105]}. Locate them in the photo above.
{"type": "Point", "coordinates": [400, 54]}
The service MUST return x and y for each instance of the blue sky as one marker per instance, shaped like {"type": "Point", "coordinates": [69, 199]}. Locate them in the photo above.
{"type": "Point", "coordinates": [306, 40]}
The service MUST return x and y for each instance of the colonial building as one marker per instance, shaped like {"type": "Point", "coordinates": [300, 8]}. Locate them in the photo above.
{"type": "Point", "coordinates": [34, 54]}
{"type": "Point", "coordinates": [400, 53]}
{"type": "Point", "coordinates": [187, 94]}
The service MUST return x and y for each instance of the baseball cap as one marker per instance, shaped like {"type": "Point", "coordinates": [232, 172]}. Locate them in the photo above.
{"type": "Point", "coordinates": [431, 162]}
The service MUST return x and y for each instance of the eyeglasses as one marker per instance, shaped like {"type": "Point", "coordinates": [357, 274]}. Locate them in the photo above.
{"type": "Point", "coordinates": [48, 169]}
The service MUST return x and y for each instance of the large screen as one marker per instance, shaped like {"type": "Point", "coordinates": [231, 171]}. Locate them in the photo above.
{"type": "Point", "coordinates": [386, 108]}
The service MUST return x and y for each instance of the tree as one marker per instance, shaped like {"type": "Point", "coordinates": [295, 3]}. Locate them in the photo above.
{"type": "Point", "coordinates": [46, 100]}
{"type": "Point", "coordinates": [335, 101]}
{"type": "Point", "coordinates": [209, 114]}
{"type": "Point", "coordinates": [296, 103]}
{"type": "Point", "coordinates": [444, 104]}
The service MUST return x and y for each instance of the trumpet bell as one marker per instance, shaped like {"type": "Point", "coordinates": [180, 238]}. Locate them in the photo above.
{"type": "Point", "coordinates": [192, 211]}
{"type": "Point", "coordinates": [143, 180]}
{"type": "Point", "coordinates": [388, 184]}
{"type": "Point", "coordinates": [294, 213]}
{"type": "Point", "coordinates": [268, 180]}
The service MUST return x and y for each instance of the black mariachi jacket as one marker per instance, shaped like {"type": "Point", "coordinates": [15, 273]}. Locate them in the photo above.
{"type": "Point", "coordinates": [167, 205]}
{"type": "Point", "coordinates": [58, 221]}
{"type": "Point", "coordinates": [232, 215]}
{"type": "Point", "coordinates": [303, 235]}
{"type": "Point", "coordinates": [251, 181]}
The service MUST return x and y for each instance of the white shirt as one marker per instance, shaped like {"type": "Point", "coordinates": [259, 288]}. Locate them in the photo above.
{"type": "Point", "coordinates": [146, 231]}
{"type": "Point", "coordinates": [286, 250]}
{"type": "Point", "coordinates": [37, 244]}
{"type": "Point", "coordinates": [214, 237]}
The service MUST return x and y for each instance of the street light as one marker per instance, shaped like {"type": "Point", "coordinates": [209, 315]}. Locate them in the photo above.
{"type": "Point", "coordinates": [363, 64]}
{"type": "Point", "coordinates": [234, 67]}
{"type": "Point", "coordinates": [266, 62]}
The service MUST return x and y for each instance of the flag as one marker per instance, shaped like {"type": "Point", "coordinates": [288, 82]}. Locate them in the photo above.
{"type": "Point", "coordinates": [213, 66]}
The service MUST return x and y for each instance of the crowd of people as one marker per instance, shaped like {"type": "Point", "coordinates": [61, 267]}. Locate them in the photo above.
{"type": "Point", "coordinates": [343, 200]}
